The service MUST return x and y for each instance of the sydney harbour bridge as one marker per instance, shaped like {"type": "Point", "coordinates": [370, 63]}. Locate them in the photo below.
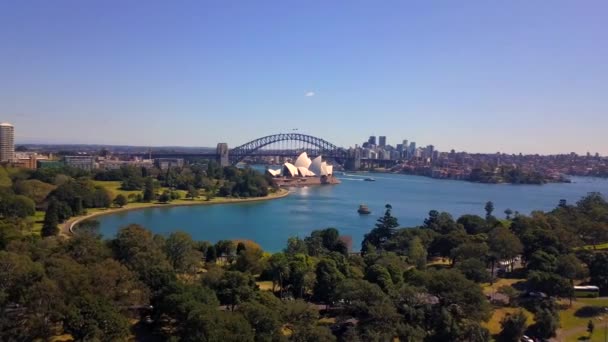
{"type": "Point", "coordinates": [286, 145]}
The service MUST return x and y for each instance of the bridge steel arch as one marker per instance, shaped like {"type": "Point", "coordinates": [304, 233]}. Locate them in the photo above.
{"type": "Point", "coordinates": [326, 148]}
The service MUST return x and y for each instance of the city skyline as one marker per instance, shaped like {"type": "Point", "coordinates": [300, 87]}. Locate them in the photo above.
{"type": "Point", "coordinates": [475, 77]}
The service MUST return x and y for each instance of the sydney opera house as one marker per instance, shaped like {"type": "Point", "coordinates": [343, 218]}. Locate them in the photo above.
{"type": "Point", "coordinates": [304, 172]}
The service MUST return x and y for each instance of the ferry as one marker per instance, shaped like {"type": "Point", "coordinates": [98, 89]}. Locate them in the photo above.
{"type": "Point", "coordinates": [363, 210]}
{"type": "Point", "coordinates": [369, 179]}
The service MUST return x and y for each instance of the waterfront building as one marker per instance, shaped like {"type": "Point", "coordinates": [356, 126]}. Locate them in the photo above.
{"type": "Point", "coordinates": [303, 167]}
{"type": "Point", "coordinates": [113, 164]}
{"type": "Point", "coordinates": [167, 163]}
{"type": "Point", "coordinates": [46, 164]}
{"type": "Point", "coordinates": [7, 142]}
{"type": "Point", "coordinates": [382, 141]}
{"type": "Point", "coordinates": [28, 160]}
{"type": "Point", "coordinates": [86, 163]}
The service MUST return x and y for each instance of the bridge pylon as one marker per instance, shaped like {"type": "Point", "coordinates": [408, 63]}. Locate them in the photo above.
{"type": "Point", "coordinates": [222, 154]}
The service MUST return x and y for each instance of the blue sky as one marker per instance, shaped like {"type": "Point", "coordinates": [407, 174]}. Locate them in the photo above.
{"type": "Point", "coordinates": [480, 76]}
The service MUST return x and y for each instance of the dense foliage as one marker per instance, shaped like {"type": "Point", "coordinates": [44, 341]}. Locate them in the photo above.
{"type": "Point", "coordinates": [172, 287]}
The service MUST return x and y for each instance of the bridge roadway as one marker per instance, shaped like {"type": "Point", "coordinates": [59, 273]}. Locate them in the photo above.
{"type": "Point", "coordinates": [260, 147]}
{"type": "Point", "coordinates": [214, 156]}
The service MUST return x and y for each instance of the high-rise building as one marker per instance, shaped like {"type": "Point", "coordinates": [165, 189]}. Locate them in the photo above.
{"type": "Point", "coordinates": [372, 140]}
{"type": "Point", "coordinates": [7, 142]}
{"type": "Point", "coordinates": [382, 141]}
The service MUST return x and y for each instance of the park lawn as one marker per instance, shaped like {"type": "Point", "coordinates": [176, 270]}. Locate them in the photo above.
{"type": "Point", "coordinates": [37, 221]}
{"type": "Point", "coordinates": [573, 327]}
{"type": "Point", "coordinates": [439, 262]}
{"type": "Point", "coordinates": [487, 288]}
{"type": "Point", "coordinates": [264, 285]}
{"type": "Point", "coordinates": [597, 247]}
{"type": "Point", "coordinates": [114, 188]}
{"type": "Point", "coordinates": [499, 313]}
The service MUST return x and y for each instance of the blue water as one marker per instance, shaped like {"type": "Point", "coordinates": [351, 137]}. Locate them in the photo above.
{"type": "Point", "coordinates": [271, 223]}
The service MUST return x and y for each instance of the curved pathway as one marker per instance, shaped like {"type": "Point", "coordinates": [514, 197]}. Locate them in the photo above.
{"type": "Point", "coordinates": [67, 228]}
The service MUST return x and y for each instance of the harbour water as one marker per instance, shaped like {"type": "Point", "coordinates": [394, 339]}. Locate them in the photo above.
{"type": "Point", "coordinates": [271, 223]}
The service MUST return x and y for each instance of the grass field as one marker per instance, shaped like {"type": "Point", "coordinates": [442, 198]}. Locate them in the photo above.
{"type": "Point", "coordinates": [574, 320]}
{"type": "Point", "coordinates": [37, 221]}
{"type": "Point", "coordinates": [264, 285]}
{"type": "Point", "coordinates": [499, 313]}
{"type": "Point", "coordinates": [601, 246]}
{"type": "Point", "coordinates": [487, 288]}
{"type": "Point", "coordinates": [114, 188]}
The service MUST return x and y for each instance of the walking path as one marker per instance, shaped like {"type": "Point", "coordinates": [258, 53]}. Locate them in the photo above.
{"type": "Point", "coordinates": [67, 228]}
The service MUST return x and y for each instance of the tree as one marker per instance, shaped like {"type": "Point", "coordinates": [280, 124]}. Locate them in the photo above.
{"type": "Point", "coordinates": [250, 260]}
{"type": "Point", "coordinates": [590, 328]}
{"type": "Point", "coordinates": [546, 323]}
{"type": "Point", "coordinates": [165, 197]}
{"type": "Point", "coordinates": [504, 245]}
{"type": "Point", "coordinates": [192, 193]}
{"type": "Point", "coordinates": [278, 266]}
{"type": "Point", "coordinates": [598, 270]}
{"type": "Point", "coordinates": [473, 224]}
{"type": "Point", "coordinates": [474, 270]}
{"type": "Point", "coordinates": [51, 220]}
{"type": "Point", "coordinates": [211, 254]}
{"type": "Point", "coordinates": [417, 254]}
{"type": "Point", "coordinates": [384, 230]}
{"type": "Point", "coordinates": [508, 213]}
{"type": "Point", "coordinates": [16, 206]}
{"type": "Point", "coordinates": [263, 320]}
{"type": "Point", "coordinates": [373, 308]}
{"type": "Point", "coordinates": [295, 245]}
{"type": "Point", "coordinates": [179, 248]}
{"type": "Point", "coordinates": [235, 288]}
{"type": "Point", "coordinates": [149, 190]}
{"type": "Point", "coordinates": [570, 267]}
{"type": "Point", "coordinates": [120, 200]}
{"type": "Point", "coordinates": [513, 327]}
{"type": "Point", "coordinates": [452, 288]}
{"type": "Point", "coordinates": [34, 189]}
{"type": "Point", "coordinates": [550, 283]}
{"type": "Point", "coordinates": [95, 319]}
{"type": "Point", "coordinates": [489, 208]}
{"type": "Point", "coordinates": [240, 247]}
{"type": "Point", "coordinates": [328, 276]}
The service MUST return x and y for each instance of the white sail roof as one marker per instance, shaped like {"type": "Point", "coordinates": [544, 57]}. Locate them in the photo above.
{"type": "Point", "coordinates": [330, 169]}
{"type": "Point", "coordinates": [304, 172]}
{"type": "Point", "coordinates": [303, 160]}
{"type": "Point", "coordinates": [291, 170]}
{"type": "Point", "coordinates": [323, 169]}
{"type": "Point", "coordinates": [316, 165]}
{"type": "Point", "coordinates": [274, 173]}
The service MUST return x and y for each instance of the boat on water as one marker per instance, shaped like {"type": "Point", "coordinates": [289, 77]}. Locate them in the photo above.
{"type": "Point", "coordinates": [364, 210]}
{"type": "Point", "coordinates": [369, 179]}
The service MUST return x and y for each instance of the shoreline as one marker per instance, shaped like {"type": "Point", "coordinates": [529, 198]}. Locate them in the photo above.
{"type": "Point", "coordinates": [67, 228]}
{"type": "Point", "coordinates": [568, 181]}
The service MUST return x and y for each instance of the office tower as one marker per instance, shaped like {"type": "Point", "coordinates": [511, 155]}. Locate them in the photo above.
{"type": "Point", "coordinates": [429, 151]}
{"type": "Point", "coordinates": [371, 140]}
{"type": "Point", "coordinates": [382, 141]}
{"type": "Point", "coordinates": [7, 142]}
{"type": "Point", "coordinates": [412, 148]}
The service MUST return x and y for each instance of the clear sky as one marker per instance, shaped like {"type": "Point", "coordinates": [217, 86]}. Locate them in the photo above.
{"type": "Point", "coordinates": [481, 76]}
